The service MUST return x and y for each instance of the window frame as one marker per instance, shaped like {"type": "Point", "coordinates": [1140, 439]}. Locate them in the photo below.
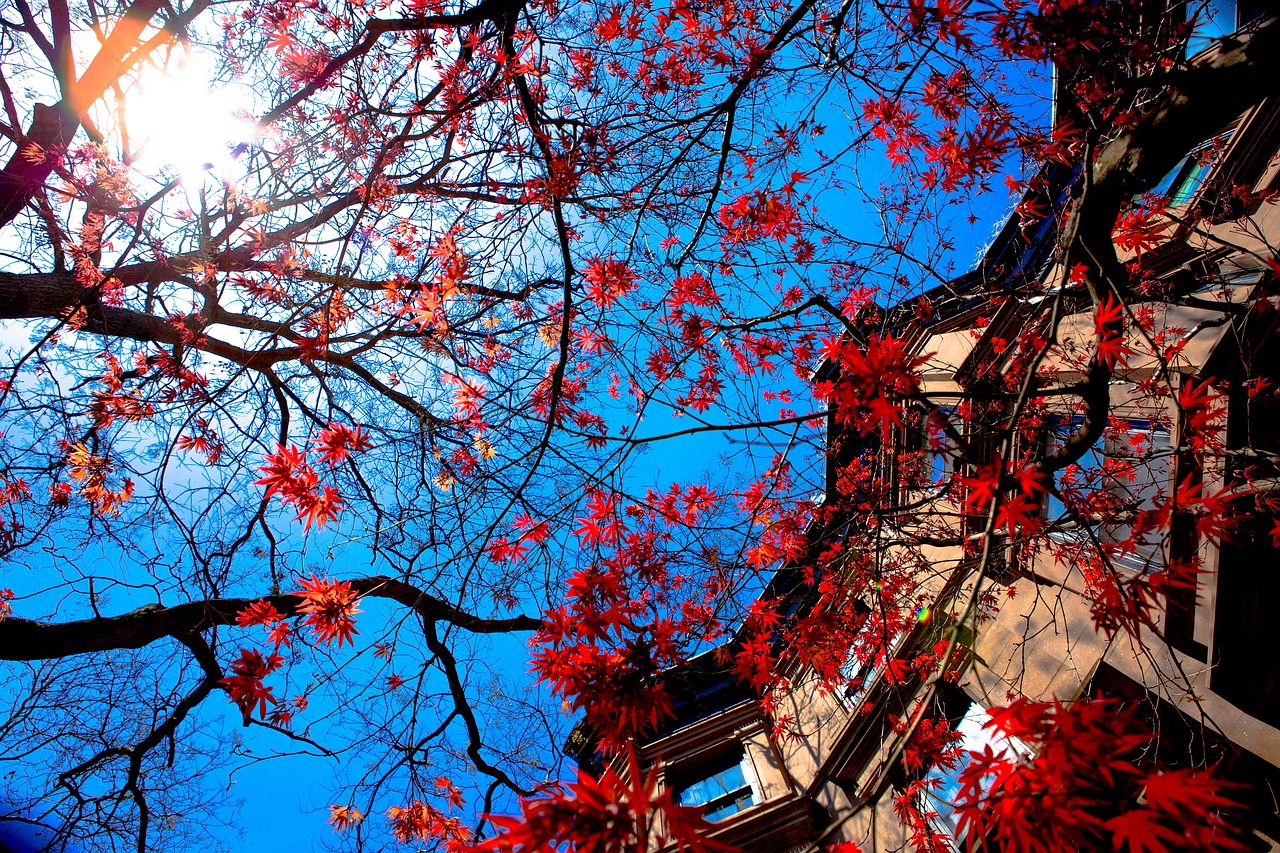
{"type": "Point", "coordinates": [685, 775]}
{"type": "Point", "coordinates": [1160, 459]}
{"type": "Point", "coordinates": [982, 736]}
{"type": "Point", "coordinates": [1173, 188]}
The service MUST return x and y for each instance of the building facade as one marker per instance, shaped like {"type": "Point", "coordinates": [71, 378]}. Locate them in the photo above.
{"type": "Point", "coordinates": [825, 764]}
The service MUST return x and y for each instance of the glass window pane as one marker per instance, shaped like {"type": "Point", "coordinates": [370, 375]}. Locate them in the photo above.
{"type": "Point", "coordinates": [725, 791]}
{"type": "Point", "coordinates": [1190, 182]}
{"type": "Point", "coordinates": [1143, 466]}
{"type": "Point", "coordinates": [1077, 478]}
{"type": "Point", "coordinates": [976, 737]}
{"type": "Point", "coordinates": [1162, 189]}
{"type": "Point", "coordinates": [1181, 185]}
{"type": "Point", "coordinates": [1213, 20]}
{"type": "Point", "coordinates": [738, 803]}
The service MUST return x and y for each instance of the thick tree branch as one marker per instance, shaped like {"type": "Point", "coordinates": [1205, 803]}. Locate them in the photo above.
{"type": "Point", "coordinates": [26, 639]}
{"type": "Point", "coordinates": [53, 128]}
{"type": "Point", "coordinates": [463, 707]}
{"type": "Point", "coordinates": [1196, 103]}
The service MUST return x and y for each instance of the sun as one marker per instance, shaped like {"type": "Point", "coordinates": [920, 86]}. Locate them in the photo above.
{"type": "Point", "coordinates": [179, 122]}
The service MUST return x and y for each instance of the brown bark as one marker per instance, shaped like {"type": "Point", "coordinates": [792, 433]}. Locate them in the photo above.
{"type": "Point", "coordinates": [1194, 104]}
{"type": "Point", "coordinates": [53, 128]}
{"type": "Point", "coordinates": [27, 639]}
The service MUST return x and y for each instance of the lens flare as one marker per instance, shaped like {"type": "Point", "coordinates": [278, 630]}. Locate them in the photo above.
{"type": "Point", "coordinates": [178, 121]}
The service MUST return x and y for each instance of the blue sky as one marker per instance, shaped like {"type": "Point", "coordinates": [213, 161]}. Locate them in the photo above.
{"type": "Point", "coordinates": [283, 802]}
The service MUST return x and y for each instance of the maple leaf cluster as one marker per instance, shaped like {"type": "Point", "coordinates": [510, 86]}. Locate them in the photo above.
{"type": "Point", "coordinates": [608, 280]}
{"type": "Point", "coordinates": [761, 216]}
{"type": "Point", "coordinates": [626, 617]}
{"type": "Point", "coordinates": [262, 612]}
{"type": "Point", "coordinates": [345, 817]}
{"type": "Point", "coordinates": [1142, 228]}
{"type": "Point", "coordinates": [1085, 788]}
{"type": "Point", "coordinates": [861, 609]}
{"type": "Point", "coordinates": [12, 491]}
{"type": "Point", "coordinates": [92, 472]}
{"type": "Point", "coordinates": [612, 814]}
{"type": "Point", "coordinates": [1109, 330]}
{"type": "Point", "coordinates": [782, 523]}
{"type": "Point", "coordinates": [874, 380]}
{"type": "Point", "coordinates": [205, 441]}
{"type": "Point", "coordinates": [111, 404]}
{"type": "Point", "coordinates": [330, 608]}
{"type": "Point", "coordinates": [288, 474]}
{"type": "Point", "coordinates": [1129, 601]}
{"type": "Point", "coordinates": [339, 441]}
{"type": "Point", "coordinates": [1020, 495]}
{"type": "Point", "coordinates": [528, 532]}
{"type": "Point", "coordinates": [1118, 601]}
{"type": "Point", "coordinates": [932, 743]}
{"type": "Point", "coordinates": [423, 822]}
{"type": "Point", "coordinates": [245, 685]}
{"type": "Point", "coordinates": [1203, 412]}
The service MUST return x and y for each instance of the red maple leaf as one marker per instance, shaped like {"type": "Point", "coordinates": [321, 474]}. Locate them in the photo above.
{"type": "Point", "coordinates": [1109, 328]}
{"type": "Point", "coordinates": [981, 487]}
{"type": "Point", "coordinates": [245, 685]}
{"type": "Point", "coordinates": [1032, 480]}
{"type": "Point", "coordinates": [318, 507]}
{"type": "Point", "coordinates": [280, 470]}
{"type": "Point", "coordinates": [338, 441]}
{"type": "Point", "coordinates": [1018, 513]}
{"type": "Point", "coordinates": [1141, 830]}
{"type": "Point", "coordinates": [607, 280]}
{"type": "Point", "coordinates": [330, 606]}
{"type": "Point", "coordinates": [612, 813]}
{"type": "Point", "coordinates": [1141, 229]}
{"type": "Point", "coordinates": [344, 817]}
{"type": "Point", "coordinates": [260, 612]}
{"type": "Point", "coordinates": [1185, 791]}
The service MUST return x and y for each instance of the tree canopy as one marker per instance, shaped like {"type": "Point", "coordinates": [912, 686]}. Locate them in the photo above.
{"type": "Point", "coordinates": [485, 370]}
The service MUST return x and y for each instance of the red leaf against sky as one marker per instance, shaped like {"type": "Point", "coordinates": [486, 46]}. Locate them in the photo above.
{"type": "Point", "coordinates": [245, 686]}
{"type": "Point", "coordinates": [608, 280]}
{"type": "Point", "coordinates": [608, 815]}
{"type": "Point", "coordinates": [289, 475]}
{"type": "Point", "coordinates": [339, 441]}
{"type": "Point", "coordinates": [344, 817]}
{"type": "Point", "coordinates": [423, 822]}
{"type": "Point", "coordinates": [330, 606]}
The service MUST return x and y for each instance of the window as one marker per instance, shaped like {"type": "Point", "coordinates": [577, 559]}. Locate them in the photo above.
{"type": "Point", "coordinates": [1114, 481]}
{"type": "Point", "coordinates": [721, 784]}
{"type": "Point", "coordinates": [1253, 419]}
{"type": "Point", "coordinates": [974, 736]}
{"type": "Point", "coordinates": [1185, 179]}
{"type": "Point", "coordinates": [867, 660]}
{"type": "Point", "coordinates": [1213, 20]}
{"type": "Point", "coordinates": [939, 447]}
{"type": "Point", "coordinates": [1246, 645]}
{"type": "Point", "coordinates": [1248, 11]}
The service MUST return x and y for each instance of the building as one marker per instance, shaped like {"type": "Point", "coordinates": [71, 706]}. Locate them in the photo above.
{"type": "Point", "coordinates": [1206, 314]}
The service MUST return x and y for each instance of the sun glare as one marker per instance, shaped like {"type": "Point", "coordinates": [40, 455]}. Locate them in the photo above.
{"type": "Point", "coordinates": [179, 122]}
